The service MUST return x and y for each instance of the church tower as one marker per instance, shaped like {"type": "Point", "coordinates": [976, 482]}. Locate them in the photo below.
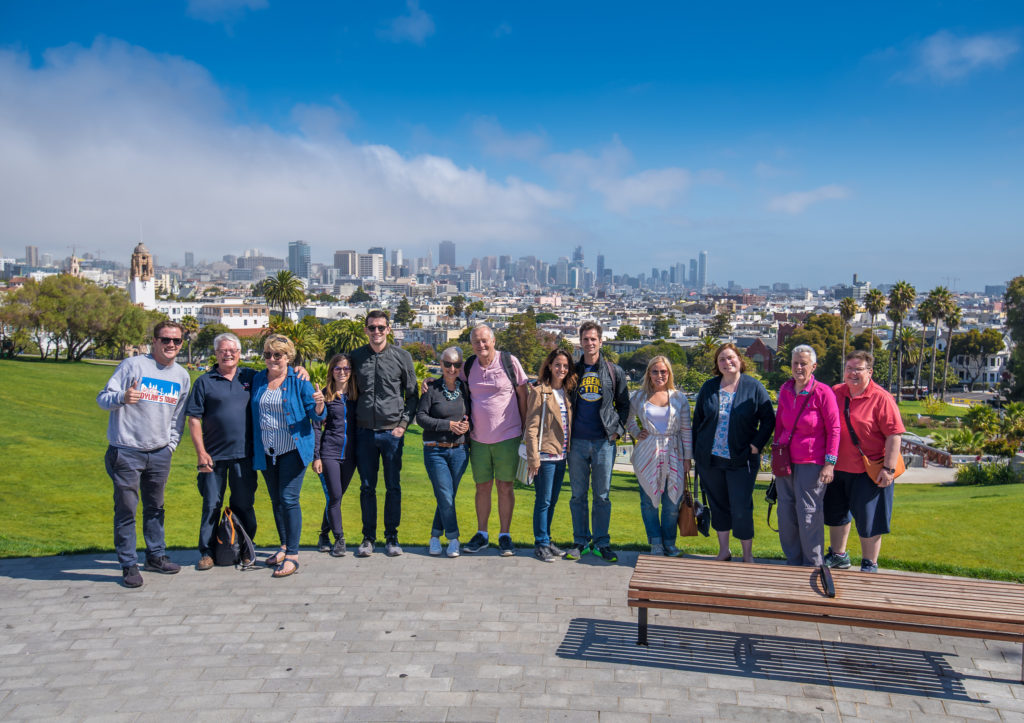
{"type": "Point", "coordinates": [141, 289]}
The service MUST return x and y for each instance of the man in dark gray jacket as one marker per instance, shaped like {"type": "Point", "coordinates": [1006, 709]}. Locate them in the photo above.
{"type": "Point", "coordinates": [386, 380]}
{"type": "Point", "coordinates": [600, 406]}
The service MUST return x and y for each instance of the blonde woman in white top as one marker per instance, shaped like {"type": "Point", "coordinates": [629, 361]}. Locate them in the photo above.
{"type": "Point", "coordinates": [662, 453]}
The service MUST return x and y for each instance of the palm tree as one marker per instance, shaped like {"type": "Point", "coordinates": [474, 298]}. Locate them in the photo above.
{"type": "Point", "coordinates": [927, 312]}
{"type": "Point", "coordinates": [308, 346]}
{"type": "Point", "coordinates": [847, 310]}
{"type": "Point", "coordinates": [191, 326]}
{"type": "Point", "coordinates": [943, 300]}
{"type": "Point", "coordinates": [874, 302]}
{"type": "Point", "coordinates": [901, 299]}
{"type": "Point", "coordinates": [908, 348]}
{"type": "Point", "coordinates": [953, 317]}
{"type": "Point", "coordinates": [283, 290]}
{"type": "Point", "coordinates": [343, 335]}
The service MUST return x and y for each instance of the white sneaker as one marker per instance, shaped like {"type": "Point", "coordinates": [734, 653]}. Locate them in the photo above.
{"type": "Point", "coordinates": [435, 546]}
{"type": "Point", "coordinates": [453, 547]}
{"type": "Point", "coordinates": [657, 548]}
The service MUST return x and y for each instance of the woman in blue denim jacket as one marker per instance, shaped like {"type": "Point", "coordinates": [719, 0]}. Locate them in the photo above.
{"type": "Point", "coordinates": [732, 422]}
{"type": "Point", "coordinates": [283, 411]}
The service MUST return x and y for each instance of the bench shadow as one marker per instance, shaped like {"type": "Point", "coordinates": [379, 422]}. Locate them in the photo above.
{"type": "Point", "coordinates": [770, 657]}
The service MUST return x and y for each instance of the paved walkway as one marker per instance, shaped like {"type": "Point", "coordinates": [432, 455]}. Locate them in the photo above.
{"type": "Point", "coordinates": [480, 638]}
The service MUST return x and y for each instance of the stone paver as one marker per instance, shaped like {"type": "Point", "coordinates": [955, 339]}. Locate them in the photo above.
{"type": "Point", "coordinates": [480, 638]}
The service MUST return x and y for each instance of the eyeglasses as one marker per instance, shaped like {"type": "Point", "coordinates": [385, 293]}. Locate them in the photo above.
{"type": "Point", "coordinates": [275, 355]}
{"type": "Point", "coordinates": [347, 370]}
{"type": "Point", "coordinates": [377, 327]}
{"type": "Point", "coordinates": [452, 365]}
{"type": "Point", "coordinates": [659, 372]}
{"type": "Point", "coordinates": [227, 352]}
{"type": "Point", "coordinates": [855, 372]}
{"type": "Point", "coordinates": [170, 340]}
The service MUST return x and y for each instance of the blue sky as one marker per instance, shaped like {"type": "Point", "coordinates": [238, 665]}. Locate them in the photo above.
{"type": "Point", "coordinates": [802, 145]}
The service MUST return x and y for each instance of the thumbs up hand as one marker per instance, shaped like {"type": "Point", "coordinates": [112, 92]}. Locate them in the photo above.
{"type": "Point", "coordinates": [132, 394]}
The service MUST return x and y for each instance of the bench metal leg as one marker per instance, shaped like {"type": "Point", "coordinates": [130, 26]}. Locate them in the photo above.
{"type": "Point", "coordinates": [641, 623]}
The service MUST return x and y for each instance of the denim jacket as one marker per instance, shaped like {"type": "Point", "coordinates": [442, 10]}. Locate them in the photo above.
{"type": "Point", "coordinates": [299, 412]}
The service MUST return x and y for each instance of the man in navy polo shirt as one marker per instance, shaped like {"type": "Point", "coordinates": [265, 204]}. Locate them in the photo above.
{"type": "Point", "coordinates": [221, 427]}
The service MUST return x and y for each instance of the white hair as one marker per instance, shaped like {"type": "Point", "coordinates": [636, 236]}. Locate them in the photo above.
{"type": "Point", "coordinates": [478, 327]}
{"type": "Point", "coordinates": [453, 353]}
{"type": "Point", "coordinates": [226, 336]}
{"type": "Point", "coordinates": [805, 349]}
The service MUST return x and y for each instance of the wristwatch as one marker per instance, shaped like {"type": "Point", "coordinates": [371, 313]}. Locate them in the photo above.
{"type": "Point", "coordinates": [890, 470]}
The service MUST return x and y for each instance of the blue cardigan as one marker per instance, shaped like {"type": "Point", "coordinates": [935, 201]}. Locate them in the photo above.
{"type": "Point", "coordinates": [751, 421]}
{"type": "Point", "coordinates": [299, 410]}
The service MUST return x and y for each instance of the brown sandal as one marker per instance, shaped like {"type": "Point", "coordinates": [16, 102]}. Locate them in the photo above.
{"type": "Point", "coordinates": [276, 559]}
{"type": "Point", "coordinates": [279, 571]}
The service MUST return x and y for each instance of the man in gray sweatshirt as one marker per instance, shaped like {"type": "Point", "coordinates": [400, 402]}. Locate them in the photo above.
{"type": "Point", "coordinates": [146, 399]}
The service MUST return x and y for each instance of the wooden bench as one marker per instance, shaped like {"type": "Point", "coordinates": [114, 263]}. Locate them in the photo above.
{"type": "Point", "coordinates": [914, 603]}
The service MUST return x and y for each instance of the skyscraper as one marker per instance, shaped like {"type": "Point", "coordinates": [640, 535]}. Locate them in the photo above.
{"type": "Point", "coordinates": [446, 253]}
{"type": "Point", "coordinates": [600, 268]}
{"type": "Point", "coordinates": [190, 259]}
{"type": "Point", "coordinates": [397, 258]}
{"type": "Point", "coordinates": [345, 262]}
{"type": "Point", "coordinates": [32, 255]}
{"type": "Point", "coordinates": [702, 270]}
{"type": "Point", "coordinates": [693, 273]}
{"type": "Point", "coordinates": [577, 255]}
{"type": "Point", "coordinates": [298, 258]}
{"type": "Point", "coordinates": [370, 266]}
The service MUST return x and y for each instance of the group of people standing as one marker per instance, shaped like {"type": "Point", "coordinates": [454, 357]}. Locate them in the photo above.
{"type": "Point", "coordinates": [484, 412]}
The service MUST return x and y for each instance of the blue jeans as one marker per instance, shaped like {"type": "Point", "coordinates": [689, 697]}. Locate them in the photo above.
{"type": "Point", "coordinates": [665, 529]}
{"type": "Point", "coordinates": [373, 445]}
{"type": "Point", "coordinates": [590, 467]}
{"type": "Point", "coordinates": [547, 484]}
{"type": "Point", "coordinates": [239, 474]}
{"type": "Point", "coordinates": [136, 475]}
{"type": "Point", "coordinates": [445, 467]}
{"type": "Point", "coordinates": [284, 484]}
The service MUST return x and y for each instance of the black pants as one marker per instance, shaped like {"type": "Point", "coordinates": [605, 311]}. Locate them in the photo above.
{"type": "Point", "coordinates": [336, 477]}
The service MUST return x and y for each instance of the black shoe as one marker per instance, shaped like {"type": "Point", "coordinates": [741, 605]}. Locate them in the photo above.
{"type": "Point", "coordinates": [542, 553]}
{"type": "Point", "coordinates": [161, 564]}
{"type": "Point", "coordinates": [339, 548]}
{"type": "Point", "coordinates": [131, 577]}
{"type": "Point", "coordinates": [506, 546]}
{"type": "Point", "coordinates": [366, 548]}
{"type": "Point", "coordinates": [607, 554]}
{"type": "Point", "coordinates": [324, 543]}
{"type": "Point", "coordinates": [392, 548]}
{"type": "Point", "coordinates": [477, 542]}
{"type": "Point", "coordinates": [556, 550]}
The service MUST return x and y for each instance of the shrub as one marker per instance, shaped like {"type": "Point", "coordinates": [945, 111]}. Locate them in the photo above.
{"type": "Point", "coordinates": [988, 474]}
{"type": "Point", "coordinates": [932, 405]}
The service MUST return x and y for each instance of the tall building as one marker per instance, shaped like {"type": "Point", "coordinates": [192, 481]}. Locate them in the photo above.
{"type": "Point", "coordinates": [562, 271]}
{"type": "Point", "coordinates": [680, 274]}
{"type": "Point", "coordinates": [298, 258]}
{"type": "Point", "coordinates": [190, 260]}
{"type": "Point", "coordinates": [370, 266]}
{"type": "Point", "coordinates": [397, 259]}
{"type": "Point", "coordinates": [577, 255]}
{"type": "Point", "coordinates": [345, 263]}
{"type": "Point", "coordinates": [600, 268]}
{"type": "Point", "coordinates": [141, 287]}
{"type": "Point", "coordinates": [31, 255]}
{"type": "Point", "coordinates": [446, 253]}
{"type": "Point", "coordinates": [693, 274]}
{"type": "Point", "coordinates": [702, 270]}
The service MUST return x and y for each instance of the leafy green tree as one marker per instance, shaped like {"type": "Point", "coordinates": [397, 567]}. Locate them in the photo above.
{"type": "Point", "coordinates": [874, 304]}
{"type": "Point", "coordinates": [721, 325]}
{"type": "Point", "coordinates": [343, 335]}
{"type": "Point", "coordinates": [627, 332]}
{"type": "Point", "coordinates": [22, 312]}
{"type": "Point", "coordinates": [974, 346]}
{"type": "Point", "coordinates": [284, 290]}
{"type": "Point", "coordinates": [901, 300]}
{"type": "Point", "coordinates": [404, 314]}
{"type": "Point", "coordinates": [691, 380]}
{"type": "Point", "coordinates": [1014, 299]}
{"type": "Point", "coordinates": [638, 360]}
{"type": "Point", "coordinates": [78, 312]}
{"type": "Point", "coordinates": [474, 307]}
{"type": "Point", "coordinates": [133, 327]}
{"type": "Point", "coordinates": [703, 356]}
{"type": "Point", "coordinates": [191, 326]}
{"type": "Point", "coordinates": [359, 296]}
{"type": "Point", "coordinates": [847, 310]}
{"type": "Point", "coordinates": [458, 305]}
{"type": "Point", "coordinates": [204, 341]}
{"type": "Point", "coordinates": [522, 337]}
{"type": "Point", "coordinates": [421, 351]}
{"type": "Point", "coordinates": [660, 327]}
{"type": "Point", "coordinates": [542, 318]}
{"type": "Point", "coordinates": [823, 332]}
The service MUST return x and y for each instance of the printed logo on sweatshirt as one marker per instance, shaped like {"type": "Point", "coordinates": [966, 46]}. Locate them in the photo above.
{"type": "Point", "coordinates": [590, 387]}
{"type": "Point", "coordinates": [160, 391]}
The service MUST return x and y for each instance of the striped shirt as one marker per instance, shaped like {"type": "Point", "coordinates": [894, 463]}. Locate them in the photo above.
{"type": "Point", "coordinates": [277, 440]}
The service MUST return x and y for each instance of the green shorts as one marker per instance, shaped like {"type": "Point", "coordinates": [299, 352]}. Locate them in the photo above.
{"type": "Point", "coordinates": [495, 461]}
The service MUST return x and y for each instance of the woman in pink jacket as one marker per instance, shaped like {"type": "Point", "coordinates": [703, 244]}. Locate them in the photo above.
{"type": "Point", "coordinates": [808, 421]}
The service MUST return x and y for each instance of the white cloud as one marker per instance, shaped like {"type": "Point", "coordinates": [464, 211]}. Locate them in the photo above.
{"type": "Point", "coordinates": [415, 27]}
{"type": "Point", "coordinates": [944, 57]}
{"type": "Point", "coordinates": [606, 174]}
{"type": "Point", "coordinates": [496, 141]}
{"type": "Point", "coordinates": [217, 11]}
{"type": "Point", "coordinates": [766, 170]}
{"type": "Point", "coordinates": [99, 140]}
{"type": "Point", "coordinates": [798, 201]}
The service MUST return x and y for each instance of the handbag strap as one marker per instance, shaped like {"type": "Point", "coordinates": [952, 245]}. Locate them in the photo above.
{"type": "Point", "coordinates": [849, 427]}
{"type": "Point", "coordinates": [696, 486]}
{"type": "Point", "coordinates": [807, 399]}
{"type": "Point", "coordinates": [543, 415]}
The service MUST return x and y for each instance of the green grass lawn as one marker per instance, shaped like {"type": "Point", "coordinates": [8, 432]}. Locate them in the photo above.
{"type": "Point", "coordinates": [55, 496]}
{"type": "Point", "coordinates": [909, 409]}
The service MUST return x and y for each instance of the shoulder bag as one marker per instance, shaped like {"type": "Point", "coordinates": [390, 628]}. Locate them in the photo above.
{"type": "Point", "coordinates": [523, 468]}
{"type": "Point", "coordinates": [872, 467]}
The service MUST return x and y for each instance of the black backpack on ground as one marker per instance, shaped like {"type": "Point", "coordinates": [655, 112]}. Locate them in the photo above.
{"type": "Point", "coordinates": [231, 543]}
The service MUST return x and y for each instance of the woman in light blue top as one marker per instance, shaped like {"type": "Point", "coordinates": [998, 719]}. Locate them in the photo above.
{"type": "Point", "coordinates": [283, 409]}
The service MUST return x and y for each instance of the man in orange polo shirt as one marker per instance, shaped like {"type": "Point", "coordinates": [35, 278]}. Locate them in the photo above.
{"type": "Point", "coordinates": [877, 426]}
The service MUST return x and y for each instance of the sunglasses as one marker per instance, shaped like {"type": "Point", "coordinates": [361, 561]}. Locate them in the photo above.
{"type": "Point", "coordinates": [377, 327]}
{"type": "Point", "coordinates": [659, 372]}
{"type": "Point", "coordinates": [275, 355]}
{"type": "Point", "coordinates": [170, 340]}
{"type": "Point", "coordinates": [452, 365]}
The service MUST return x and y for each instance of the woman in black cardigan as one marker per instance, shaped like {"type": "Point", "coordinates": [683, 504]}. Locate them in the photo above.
{"type": "Point", "coordinates": [732, 422]}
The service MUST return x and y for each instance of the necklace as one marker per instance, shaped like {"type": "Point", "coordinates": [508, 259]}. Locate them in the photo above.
{"type": "Point", "coordinates": [451, 396]}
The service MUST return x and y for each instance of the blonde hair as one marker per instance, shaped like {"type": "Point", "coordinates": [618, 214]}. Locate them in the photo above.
{"type": "Point", "coordinates": [281, 344]}
{"type": "Point", "coordinates": [649, 383]}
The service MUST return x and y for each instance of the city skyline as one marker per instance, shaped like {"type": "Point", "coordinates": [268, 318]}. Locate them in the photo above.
{"type": "Point", "coordinates": [885, 143]}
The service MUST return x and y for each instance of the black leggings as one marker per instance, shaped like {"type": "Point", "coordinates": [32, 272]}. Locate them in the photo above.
{"type": "Point", "coordinates": [337, 474]}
